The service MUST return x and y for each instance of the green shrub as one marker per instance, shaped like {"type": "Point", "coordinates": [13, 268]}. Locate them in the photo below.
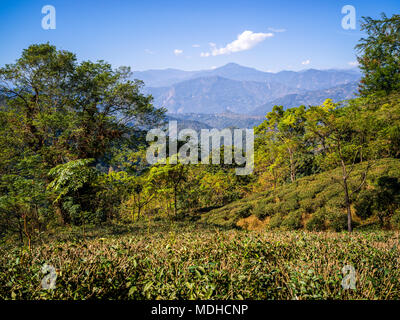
{"type": "Point", "coordinates": [317, 203]}
{"type": "Point", "coordinates": [310, 190]}
{"type": "Point", "coordinates": [364, 205]}
{"type": "Point", "coordinates": [312, 193]}
{"type": "Point", "coordinates": [264, 208]}
{"type": "Point", "coordinates": [317, 221]}
{"type": "Point", "coordinates": [288, 206]}
{"type": "Point", "coordinates": [395, 220]}
{"type": "Point", "coordinates": [336, 203]}
{"type": "Point", "coordinates": [243, 211]}
{"type": "Point", "coordinates": [292, 221]}
{"type": "Point", "coordinates": [307, 205]}
{"type": "Point", "coordinates": [337, 221]}
{"type": "Point", "coordinates": [276, 221]}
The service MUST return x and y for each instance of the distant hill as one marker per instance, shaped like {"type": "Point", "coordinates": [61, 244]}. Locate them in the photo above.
{"type": "Point", "coordinates": [218, 121]}
{"type": "Point", "coordinates": [162, 78]}
{"type": "Point", "coordinates": [244, 90]}
{"type": "Point", "coordinates": [310, 79]}
{"type": "Point", "coordinates": [216, 95]}
{"type": "Point", "coordinates": [316, 97]}
{"type": "Point", "coordinates": [187, 123]}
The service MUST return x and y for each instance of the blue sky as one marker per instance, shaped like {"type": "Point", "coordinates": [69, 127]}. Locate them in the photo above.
{"type": "Point", "coordinates": [173, 34]}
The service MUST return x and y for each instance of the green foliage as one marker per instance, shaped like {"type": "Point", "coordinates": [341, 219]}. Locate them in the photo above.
{"type": "Point", "coordinates": [395, 220]}
{"type": "Point", "coordinates": [288, 206]}
{"type": "Point", "coordinates": [55, 112]}
{"type": "Point", "coordinates": [317, 221]}
{"type": "Point", "coordinates": [243, 212]}
{"type": "Point", "coordinates": [293, 221]}
{"type": "Point", "coordinates": [190, 261]}
{"type": "Point", "coordinates": [337, 221]}
{"type": "Point", "coordinates": [383, 200]}
{"type": "Point", "coordinates": [319, 196]}
{"type": "Point", "coordinates": [380, 54]}
{"type": "Point", "coordinates": [364, 205]}
{"type": "Point", "coordinates": [264, 208]}
{"type": "Point", "coordinates": [280, 142]}
{"type": "Point", "coordinates": [70, 177]}
{"type": "Point", "coordinates": [276, 221]}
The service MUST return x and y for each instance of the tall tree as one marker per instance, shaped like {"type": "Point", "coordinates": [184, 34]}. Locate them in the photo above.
{"type": "Point", "coordinates": [55, 109]}
{"type": "Point", "coordinates": [344, 137]}
{"type": "Point", "coordinates": [283, 131]}
{"type": "Point", "coordinates": [66, 110]}
{"type": "Point", "coordinates": [379, 57]}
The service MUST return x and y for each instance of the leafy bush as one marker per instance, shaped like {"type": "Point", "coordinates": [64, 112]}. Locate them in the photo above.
{"type": "Point", "coordinates": [191, 261]}
{"type": "Point", "coordinates": [337, 221]}
{"type": "Point", "coordinates": [395, 220]}
{"type": "Point", "coordinates": [307, 205]}
{"type": "Point", "coordinates": [292, 221]}
{"type": "Point", "coordinates": [288, 206]}
{"type": "Point", "coordinates": [264, 209]}
{"type": "Point", "coordinates": [276, 221]}
{"type": "Point", "coordinates": [309, 194]}
{"type": "Point", "coordinates": [336, 202]}
{"type": "Point", "coordinates": [244, 211]}
{"type": "Point", "coordinates": [364, 205]}
{"type": "Point", "coordinates": [317, 221]}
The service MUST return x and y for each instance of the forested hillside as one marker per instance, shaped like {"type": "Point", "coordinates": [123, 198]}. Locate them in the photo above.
{"type": "Point", "coordinates": [77, 190]}
{"type": "Point", "coordinates": [73, 150]}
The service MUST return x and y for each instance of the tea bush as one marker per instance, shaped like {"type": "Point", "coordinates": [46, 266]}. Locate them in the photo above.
{"type": "Point", "coordinates": [264, 209]}
{"type": "Point", "coordinates": [292, 221]}
{"type": "Point", "coordinates": [193, 261]}
{"type": "Point", "coordinates": [276, 221]}
{"type": "Point", "coordinates": [310, 195]}
{"type": "Point", "coordinates": [395, 220]}
{"type": "Point", "coordinates": [317, 221]}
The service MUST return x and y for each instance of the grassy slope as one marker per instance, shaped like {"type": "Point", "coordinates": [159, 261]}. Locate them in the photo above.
{"type": "Point", "coordinates": [291, 206]}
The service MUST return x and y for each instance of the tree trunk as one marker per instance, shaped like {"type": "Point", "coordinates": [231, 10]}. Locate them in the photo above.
{"type": "Point", "coordinates": [292, 167]}
{"type": "Point", "coordinates": [347, 198]}
{"type": "Point", "coordinates": [62, 217]}
{"type": "Point", "coordinates": [346, 193]}
{"type": "Point", "coordinates": [175, 191]}
{"type": "Point", "coordinates": [26, 231]}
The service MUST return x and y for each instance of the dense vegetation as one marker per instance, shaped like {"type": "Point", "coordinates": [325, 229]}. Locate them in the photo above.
{"type": "Point", "coordinates": [72, 136]}
{"type": "Point", "coordinates": [178, 261]}
{"type": "Point", "coordinates": [316, 203]}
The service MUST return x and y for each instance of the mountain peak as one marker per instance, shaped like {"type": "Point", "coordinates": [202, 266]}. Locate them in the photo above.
{"type": "Point", "coordinates": [230, 65]}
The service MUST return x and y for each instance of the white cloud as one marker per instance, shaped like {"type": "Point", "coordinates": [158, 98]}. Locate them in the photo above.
{"type": "Point", "coordinates": [149, 51]}
{"type": "Point", "coordinates": [195, 45]}
{"type": "Point", "coordinates": [353, 63]}
{"type": "Point", "coordinates": [213, 67]}
{"type": "Point", "coordinates": [177, 52]}
{"type": "Point", "coordinates": [304, 63]}
{"type": "Point", "coordinates": [245, 41]}
{"type": "Point", "coordinates": [276, 30]}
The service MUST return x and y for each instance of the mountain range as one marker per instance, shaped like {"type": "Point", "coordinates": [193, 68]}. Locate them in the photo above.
{"type": "Point", "coordinates": [310, 98]}
{"type": "Point", "coordinates": [236, 89]}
